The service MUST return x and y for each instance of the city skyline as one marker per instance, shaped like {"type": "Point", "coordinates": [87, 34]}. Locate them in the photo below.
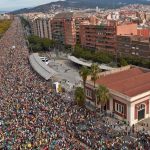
{"type": "Point", "coordinates": [9, 5]}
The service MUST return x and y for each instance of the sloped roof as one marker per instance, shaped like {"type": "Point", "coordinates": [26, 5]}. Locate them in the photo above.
{"type": "Point", "coordinates": [129, 82]}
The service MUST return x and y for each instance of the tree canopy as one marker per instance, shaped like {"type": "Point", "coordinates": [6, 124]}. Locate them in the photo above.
{"type": "Point", "coordinates": [40, 44]}
{"type": "Point", "coordinates": [102, 94]}
{"type": "Point", "coordinates": [94, 72]}
{"type": "Point", "coordinates": [84, 72]}
{"type": "Point", "coordinates": [95, 56]}
{"type": "Point", "coordinates": [79, 96]}
{"type": "Point", "coordinates": [109, 58]}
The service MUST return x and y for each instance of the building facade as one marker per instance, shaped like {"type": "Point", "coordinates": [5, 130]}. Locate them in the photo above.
{"type": "Point", "coordinates": [127, 29]}
{"type": "Point", "coordinates": [133, 45]}
{"type": "Point", "coordinates": [129, 93]}
{"type": "Point", "coordinates": [41, 27]}
{"type": "Point", "coordinates": [100, 37]}
{"type": "Point", "coordinates": [66, 27]}
{"type": "Point", "coordinates": [143, 32]}
{"type": "Point", "coordinates": [63, 28]}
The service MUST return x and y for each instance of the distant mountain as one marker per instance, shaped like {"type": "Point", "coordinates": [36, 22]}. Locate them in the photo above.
{"type": "Point", "coordinates": [81, 4]}
{"type": "Point", "coordinates": [2, 12]}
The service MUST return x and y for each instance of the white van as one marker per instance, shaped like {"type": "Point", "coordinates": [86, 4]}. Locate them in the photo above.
{"type": "Point", "coordinates": [45, 59]}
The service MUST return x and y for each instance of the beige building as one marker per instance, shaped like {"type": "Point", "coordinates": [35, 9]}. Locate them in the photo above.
{"type": "Point", "coordinates": [129, 89]}
{"type": "Point", "coordinates": [41, 27]}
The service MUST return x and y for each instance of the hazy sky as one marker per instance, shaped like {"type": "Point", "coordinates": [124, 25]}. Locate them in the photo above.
{"type": "Point", "coordinates": [16, 4]}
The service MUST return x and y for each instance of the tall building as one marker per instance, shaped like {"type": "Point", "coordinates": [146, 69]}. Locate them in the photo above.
{"type": "Point", "coordinates": [127, 29]}
{"type": "Point", "coordinates": [41, 27]}
{"type": "Point", "coordinates": [133, 45]}
{"type": "Point", "coordinates": [65, 27]}
{"type": "Point", "coordinates": [143, 32]}
{"type": "Point", "coordinates": [101, 37]}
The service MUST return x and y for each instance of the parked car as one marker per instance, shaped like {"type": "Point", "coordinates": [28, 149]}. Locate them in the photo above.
{"type": "Point", "coordinates": [45, 59]}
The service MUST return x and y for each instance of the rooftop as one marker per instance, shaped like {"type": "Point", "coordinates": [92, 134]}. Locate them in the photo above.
{"type": "Point", "coordinates": [131, 82]}
{"type": "Point", "coordinates": [69, 15]}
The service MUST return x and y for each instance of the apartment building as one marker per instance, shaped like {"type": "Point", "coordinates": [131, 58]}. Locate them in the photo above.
{"type": "Point", "coordinates": [63, 28]}
{"type": "Point", "coordinates": [127, 29]}
{"type": "Point", "coordinates": [143, 31]}
{"type": "Point", "coordinates": [100, 37]}
{"type": "Point", "coordinates": [133, 45]}
{"type": "Point", "coordinates": [41, 27]}
{"type": "Point", "coordinates": [66, 26]}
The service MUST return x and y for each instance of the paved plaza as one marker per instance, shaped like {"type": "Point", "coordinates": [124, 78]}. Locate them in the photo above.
{"type": "Point", "coordinates": [68, 72]}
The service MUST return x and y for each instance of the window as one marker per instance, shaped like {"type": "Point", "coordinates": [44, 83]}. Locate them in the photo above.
{"type": "Point", "coordinates": [119, 108]}
{"type": "Point", "coordinates": [88, 93]}
{"type": "Point", "coordinates": [141, 107]}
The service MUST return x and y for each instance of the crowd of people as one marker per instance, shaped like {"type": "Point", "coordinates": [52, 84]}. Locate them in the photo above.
{"type": "Point", "coordinates": [32, 116]}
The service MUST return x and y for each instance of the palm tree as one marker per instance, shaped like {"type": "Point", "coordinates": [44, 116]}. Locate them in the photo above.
{"type": "Point", "coordinates": [79, 96]}
{"type": "Point", "coordinates": [84, 72]}
{"type": "Point", "coordinates": [94, 72]}
{"type": "Point", "coordinates": [102, 94]}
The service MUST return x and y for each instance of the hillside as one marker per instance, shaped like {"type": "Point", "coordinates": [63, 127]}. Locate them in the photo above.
{"type": "Point", "coordinates": [81, 4]}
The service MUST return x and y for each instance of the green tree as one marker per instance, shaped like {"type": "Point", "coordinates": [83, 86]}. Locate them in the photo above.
{"type": "Point", "coordinates": [123, 62]}
{"type": "Point", "coordinates": [53, 43]}
{"type": "Point", "coordinates": [84, 72]}
{"type": "Point", "coordinates": [40, 44]}
{"type": "Point", "coordinates": [36, 47]}
{"type": "Point", "coordinates": [94, 72]}
{"type": "Point", "coordinates": [46, 44]}
{"type": "Point", "coordinates": [34, 39]}
{"type": "Point", "coordinates": [79, 96]}
{"type": "Point", "coordinates": [102, 94]}
{"type": "Point", "coordinates": [146, 63]}
{"type": "Point", "coordinates": [91, 54]}
{"type": "Point", "coordinates": [25, 22]}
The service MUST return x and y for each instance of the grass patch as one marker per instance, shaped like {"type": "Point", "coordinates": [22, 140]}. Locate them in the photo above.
{"type": "Point", "coordinates": [4, 25]}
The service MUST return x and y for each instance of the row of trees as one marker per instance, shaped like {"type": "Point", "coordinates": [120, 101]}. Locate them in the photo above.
{"type": "Point", "coordinates": [134, 60]}
{"type": "Point", "coordinates": [108, 58]}
{"type": "Point", "coordinates": [25, 23]}
{"type": "Point", "coordinates": [101, 92]}
{"type": "Point", "coordinates": [37, 44]}
{"type": "Point", "coordinates": [100, 57]}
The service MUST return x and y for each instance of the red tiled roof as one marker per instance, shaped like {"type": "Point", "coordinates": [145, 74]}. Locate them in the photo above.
{"type": "Point", "coordinates": [129, 82]}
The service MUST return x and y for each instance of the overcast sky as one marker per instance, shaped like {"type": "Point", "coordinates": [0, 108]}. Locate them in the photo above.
{"type": "Point", "coordinates": [17, 4]}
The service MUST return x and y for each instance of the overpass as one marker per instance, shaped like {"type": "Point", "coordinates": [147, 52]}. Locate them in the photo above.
{"type": "Point", "coordinates": [88, 64]}
{"type": "Point", "coordinates": [40, 67]}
